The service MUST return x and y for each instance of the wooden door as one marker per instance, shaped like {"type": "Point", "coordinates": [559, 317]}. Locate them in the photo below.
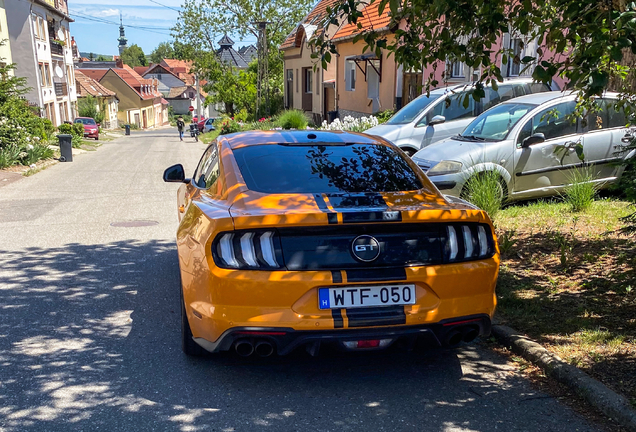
{"type": "Point", "coordinates": [307, 89]}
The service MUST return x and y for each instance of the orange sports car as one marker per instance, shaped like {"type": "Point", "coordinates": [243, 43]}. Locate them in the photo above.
{"type": "Point", "coordinates": [292, 239]}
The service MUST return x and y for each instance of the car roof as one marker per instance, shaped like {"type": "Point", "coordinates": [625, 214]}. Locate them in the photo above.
{"type": "Point", "coordinates": [442, 90]}
{"type": "Point", "coordinates": [249, 138]}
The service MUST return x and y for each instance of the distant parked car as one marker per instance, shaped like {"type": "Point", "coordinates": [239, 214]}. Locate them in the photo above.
{"type": "Point", "coordinates": [207, 125]}
{"type": "Point", "coordinates": [91, 128]}
{"type": "Point", "coordinates": [429, 119]}
{"type": "Point", "coordinates": [518, 138]}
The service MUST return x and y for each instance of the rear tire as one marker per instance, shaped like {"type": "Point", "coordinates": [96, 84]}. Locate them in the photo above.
{"type": "Point", "coordinates": [188, 345]}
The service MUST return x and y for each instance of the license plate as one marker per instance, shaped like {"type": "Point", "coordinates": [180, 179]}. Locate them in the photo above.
{"type": "Point", "coordinates": [364, 296]}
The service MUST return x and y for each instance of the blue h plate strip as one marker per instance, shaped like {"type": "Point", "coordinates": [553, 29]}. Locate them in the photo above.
{"type": "Point", "coordinates": [323, 296]}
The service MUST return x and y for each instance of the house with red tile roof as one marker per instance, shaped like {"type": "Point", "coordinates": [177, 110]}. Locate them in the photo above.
{"type": "Point", "coordinates": [105, 99]}
{"type": "Point", "coordinates": [313, 91]}
{"type": "Point", "coordinates": [360, 83]}
{"type": "Point", "coordinates": [181, 94]}
{"type": "Point", "coordinates": [140, 102]}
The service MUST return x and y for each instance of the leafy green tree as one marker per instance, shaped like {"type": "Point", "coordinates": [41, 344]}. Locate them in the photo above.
{"type": "Point", "coordinates": [163, 51]}
{"type": "Point", "coordinates": [234, 89]}
{"type": "Point", "coordinates": [102, 58]}
{"type": "Point", "coordinates": [134, 56]}
{"type": "Point", "coordinates": [586, 41]}
{"type": "Point", "coordinates": [88, 107]}
{"type": "Point", "coordinates": [91, 56]}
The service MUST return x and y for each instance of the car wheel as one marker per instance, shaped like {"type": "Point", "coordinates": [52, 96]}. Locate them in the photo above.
{"type": "Point", "coordinates": [502, 189]}
{"type": "Point", "coordinates": [188, 345]}
{"type": "Point", "coordinates": [409, 151]}
{"type": "Point", "coordinates": [97, 138]}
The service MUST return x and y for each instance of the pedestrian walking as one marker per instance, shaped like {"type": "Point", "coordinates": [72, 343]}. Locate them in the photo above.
{"type": "Point", "coordinates": [180, 126]}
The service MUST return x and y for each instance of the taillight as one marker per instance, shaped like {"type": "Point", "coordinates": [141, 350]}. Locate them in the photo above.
{"type": "Point", "coordinates": [468, 242]}
{"type": "Point", "coordinates": [248, 250]}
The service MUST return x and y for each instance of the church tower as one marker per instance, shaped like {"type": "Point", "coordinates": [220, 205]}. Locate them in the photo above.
{"type": "Point", "coordinates": [123, 42]}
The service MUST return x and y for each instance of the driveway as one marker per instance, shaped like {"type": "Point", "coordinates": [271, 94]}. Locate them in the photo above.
{"type": "Point", "coordinates": [89, 328]}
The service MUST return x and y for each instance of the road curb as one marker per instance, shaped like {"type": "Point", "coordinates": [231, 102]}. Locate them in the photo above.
{"type": "Point", "coordinates": [596, 393]}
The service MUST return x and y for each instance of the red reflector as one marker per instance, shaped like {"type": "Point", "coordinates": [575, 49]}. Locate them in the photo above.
{"type": "Point", "coordinates": [369, 343]}
{"type": "Point", "coordinates": [260, 333]}
{"type": "Point", "coordinates": [460, 322]}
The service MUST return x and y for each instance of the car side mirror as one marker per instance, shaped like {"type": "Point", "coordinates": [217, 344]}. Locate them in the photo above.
{"type": "Point", "coordinates": [533, 139]}
{"type": "Point", "coordinates": [99, 124]}
{"type": "Point", "coordinates": [438, 119]}
{"type": "Point", "coordinates": [174, 174]}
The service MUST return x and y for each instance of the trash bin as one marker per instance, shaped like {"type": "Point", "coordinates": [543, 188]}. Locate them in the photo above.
{"type": "Point", "coordinates": [66, 147]}
{"type": "Point", "coordinates": [331, 116]}
{"type": "Point", "coordinates": [127, 129]}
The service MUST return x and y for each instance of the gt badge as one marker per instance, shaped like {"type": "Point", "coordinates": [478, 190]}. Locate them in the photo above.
{"type": "Point", "coordinates": [365, 248]}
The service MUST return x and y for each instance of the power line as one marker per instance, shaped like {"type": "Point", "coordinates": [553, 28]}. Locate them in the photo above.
{"type": "Point", "coordinates": [150, 29]}
{"type": "Point", "coordinates": [167, 7]}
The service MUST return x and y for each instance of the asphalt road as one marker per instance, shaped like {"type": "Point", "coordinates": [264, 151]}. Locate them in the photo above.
{"type": "Point", "coordinates": [89, 328]}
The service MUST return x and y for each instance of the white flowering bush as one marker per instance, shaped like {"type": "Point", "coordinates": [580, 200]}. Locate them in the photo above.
{"type": "Point", "coordinates": [350, 123]}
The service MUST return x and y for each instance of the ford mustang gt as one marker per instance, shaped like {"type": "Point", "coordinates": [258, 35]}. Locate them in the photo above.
{"type": "Point", "coordinates": [291, 239]}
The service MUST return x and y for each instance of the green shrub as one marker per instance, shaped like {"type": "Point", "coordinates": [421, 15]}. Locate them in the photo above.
{"type": "Point", "coordinates": [292, 119]}
{"type": "Point", "coordinates": [228, 126]}
{"type": "Point", "coordinates": [65, 128]}
{"type": "Point", "coordinates": [581, 192]}
{"type": "Point", "coordinates": [9, 156]}
{"type": "Point", "coordinates": [78, 130]}
{"type": "Point", "coordinates": [241, 116]}
{"type": "Point", "coordinates": [487, 191]}
{"type": "Point", "coordinates": [384, 116]}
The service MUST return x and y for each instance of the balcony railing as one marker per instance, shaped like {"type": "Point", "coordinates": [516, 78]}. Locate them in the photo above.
{"type": "Point", "coordinates": [60, 89]}
{"type": "Point", "coordinates": [56, 48]}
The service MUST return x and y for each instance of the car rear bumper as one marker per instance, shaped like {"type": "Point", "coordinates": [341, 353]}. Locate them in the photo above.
{"type": "Point", "coordinates": [284, 340]}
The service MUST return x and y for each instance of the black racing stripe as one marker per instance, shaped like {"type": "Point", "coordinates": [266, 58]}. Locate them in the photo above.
{"type": "Point", "coordinates": [336, 276]}
{"type": "Point", "coordinates": [332, 218]}
{"type": "Point", "coordinates": [376, 275]}
{"type": "Point", "coordinates": [320, 202]}
{"type": "Point", "coordinates": [365, 201]}
{"type": "Point", "coordinates": [375, 316]}
{"type": "Point", "coordinates": [371, 216]}
{"type": "Point", "coordinates": [338, 322]}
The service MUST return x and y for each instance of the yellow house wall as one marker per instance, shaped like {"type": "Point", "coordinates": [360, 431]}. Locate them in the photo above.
{"type": "Point", "coordinates": [5, 49]}
{"type": "Point", "coordinates": [357, 100]}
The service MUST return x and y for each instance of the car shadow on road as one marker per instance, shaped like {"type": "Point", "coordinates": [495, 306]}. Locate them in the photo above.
{"type": "Point", "coordinates": [89, 340]}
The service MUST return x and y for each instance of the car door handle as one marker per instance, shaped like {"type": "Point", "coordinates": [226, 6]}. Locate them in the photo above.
{"type": "Point", "coordinates": [627, 138]}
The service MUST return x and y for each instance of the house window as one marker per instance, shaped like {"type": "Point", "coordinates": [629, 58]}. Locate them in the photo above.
{"type": "Point", "coordinates": [308, 80]}
{"type": "Point", "coordinates": [191, 95]}
{"type": "Point", "coordinates": [457, 69]}
{"type": "Point", "coordinates": [350, 75]}
{"type": "Point", "coordinates": [45, 74]}
{"type": "Point", "coordinates": [158, 76]}
{"type": "Point", "coordinates": [38, 27]}
{"type": "Point", "coordinates": [516, 54]}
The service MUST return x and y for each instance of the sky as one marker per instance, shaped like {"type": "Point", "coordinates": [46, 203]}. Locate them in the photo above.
{"type": "Point", "coordinates": [147, 23]}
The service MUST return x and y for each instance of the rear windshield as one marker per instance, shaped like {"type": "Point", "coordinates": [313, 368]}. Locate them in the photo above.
{"type": "Point", "coordinates": [325, 168]}
{"type": "Point", "coordinates": [85, 121]}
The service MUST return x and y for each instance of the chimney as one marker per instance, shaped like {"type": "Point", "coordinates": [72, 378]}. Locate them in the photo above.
{"type": "Point", "coordinates": [119, 63]}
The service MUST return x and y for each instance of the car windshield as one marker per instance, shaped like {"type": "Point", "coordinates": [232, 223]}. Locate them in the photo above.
{"type": "Point", "coordinates": [86, 121]}
{"type": "Point", "coordinates": [496, 123]}
{"type": "Point", "coordinates": [313, 168]}
{"type": "Point", "coordinates": [413, 109]}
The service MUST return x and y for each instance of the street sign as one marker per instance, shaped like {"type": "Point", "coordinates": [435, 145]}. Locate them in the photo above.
{"type": "Point", "coordinates": [191, 108]}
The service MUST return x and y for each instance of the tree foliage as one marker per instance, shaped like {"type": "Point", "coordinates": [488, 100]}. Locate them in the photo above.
{"type": "Point", "coordinates": [134, 56]}
{"type": "Point", "coordinates": [88, 107]}
{"type": "Point", "coordinates": [235, 89]}
{"type": "Point", "coordinates": [202, 23]}
{"type": "Point", "coordinates": [163, 51]}
{"type": "Point", "coordinates": [585, 40]}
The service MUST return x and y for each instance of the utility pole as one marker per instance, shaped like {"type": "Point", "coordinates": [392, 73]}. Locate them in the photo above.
{"type": "Point", "coordinates": [197, 96]}
{"type": "Point", "coordinates": [262, 82]}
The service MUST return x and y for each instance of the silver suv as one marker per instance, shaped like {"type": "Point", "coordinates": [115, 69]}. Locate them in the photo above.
{"type": "Point", "coordinates": [429, 119]}
{"type": "Point", "coordinates": [518, 138]}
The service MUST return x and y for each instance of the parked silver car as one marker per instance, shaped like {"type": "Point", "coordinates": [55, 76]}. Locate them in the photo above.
{"type": "Point", "coordinates": [518, 138]}
{"type": "Point", "coordinates": [441, 114]}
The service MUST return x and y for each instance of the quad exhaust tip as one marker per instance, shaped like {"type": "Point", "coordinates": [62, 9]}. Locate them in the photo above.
{"type": "Point", "coordinates": [246, 348]}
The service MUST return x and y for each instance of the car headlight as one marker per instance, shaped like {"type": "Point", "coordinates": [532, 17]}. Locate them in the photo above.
{"type": "Point", "coordinates": [445, 167]}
